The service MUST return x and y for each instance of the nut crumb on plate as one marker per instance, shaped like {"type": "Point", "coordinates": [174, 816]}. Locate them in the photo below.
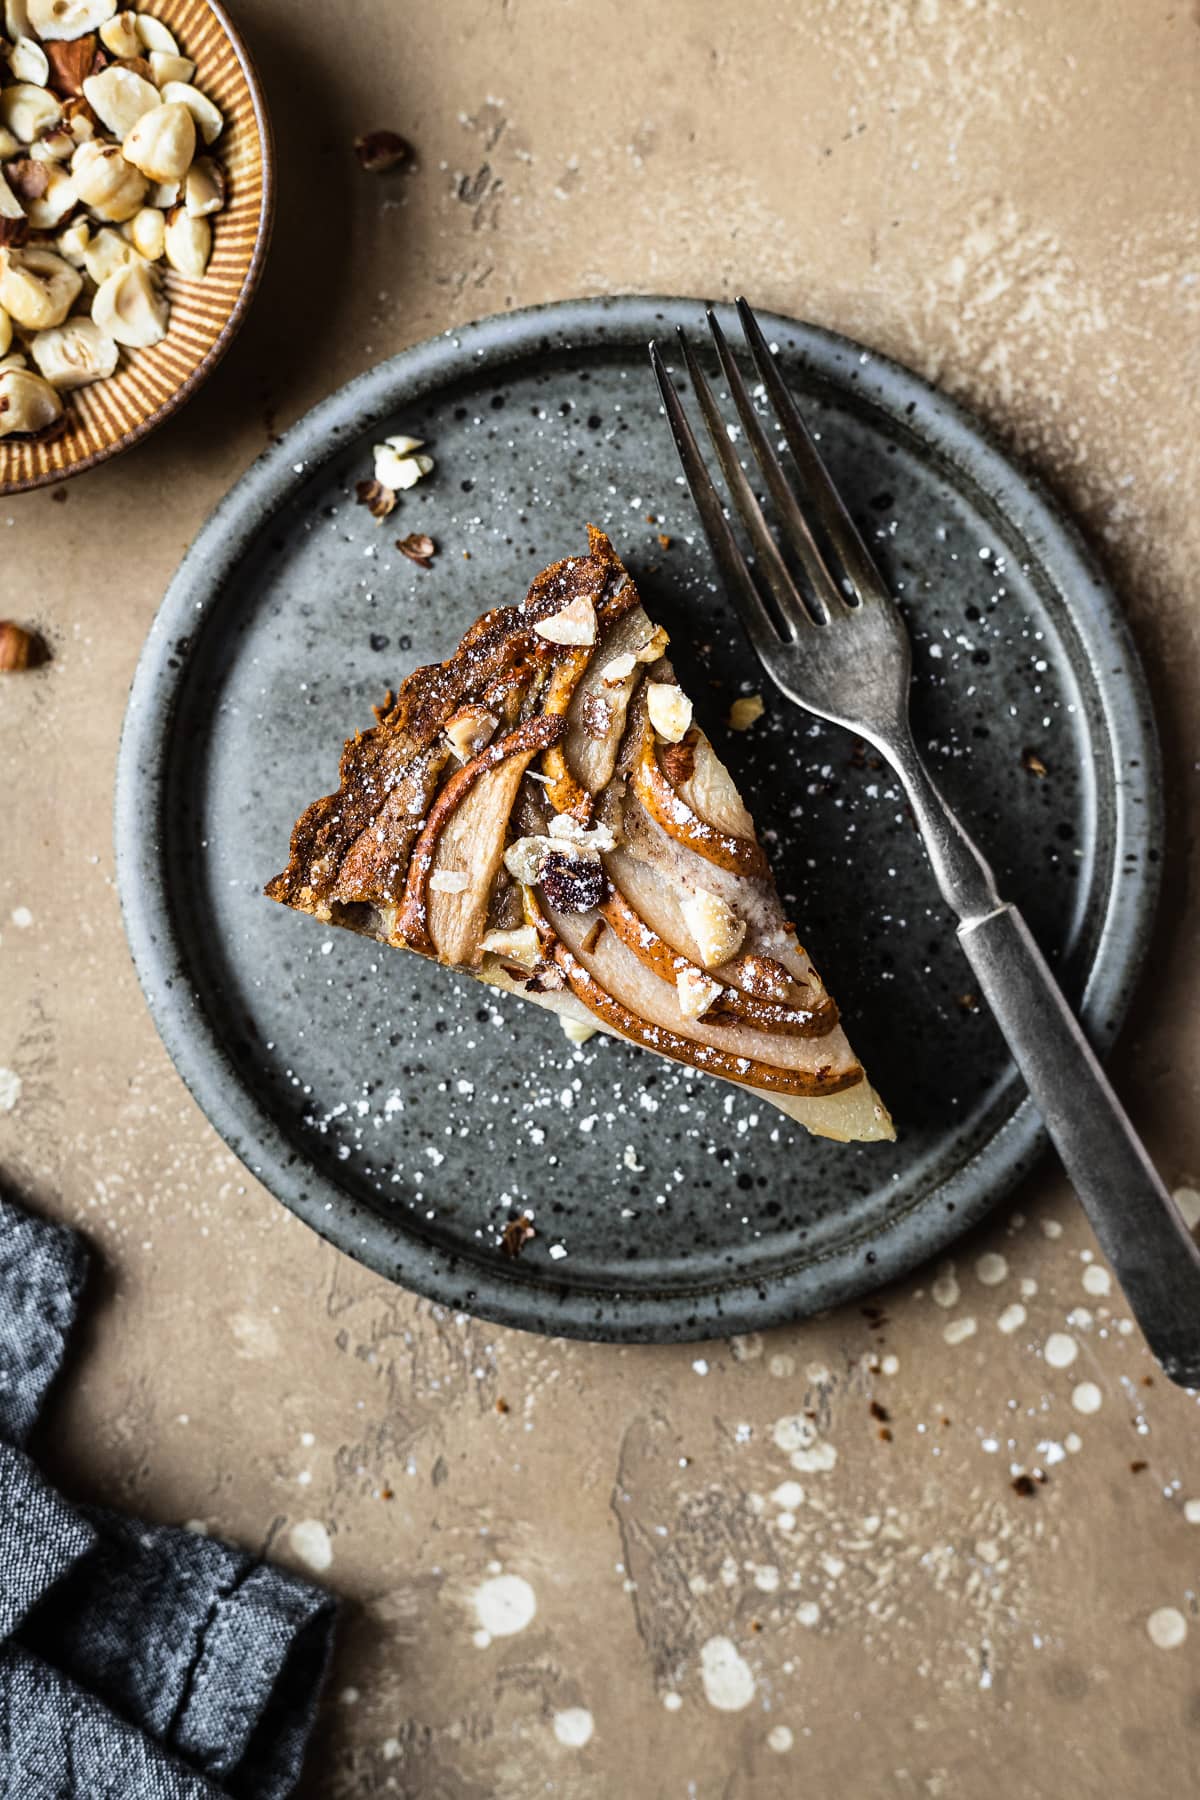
{"type": "Point", "coordinates": [378, 500]}
{"type": "Point", "coordinates": [746, 711]}
{"type": "Point", "coordinates": [418, 547]}
{"type": "Point", "coordinates": [516, 1234]}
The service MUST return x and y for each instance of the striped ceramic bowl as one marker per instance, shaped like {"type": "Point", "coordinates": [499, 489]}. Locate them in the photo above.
{"type": "Point", "coordinates": [150, 385]}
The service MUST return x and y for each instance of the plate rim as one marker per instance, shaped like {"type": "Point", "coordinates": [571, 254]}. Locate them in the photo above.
{"type": "Point", "coordinates": [502, 1295]}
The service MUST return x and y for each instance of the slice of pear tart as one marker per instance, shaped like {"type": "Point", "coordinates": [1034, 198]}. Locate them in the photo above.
{"type": "Point", "coordinates": [542, 811]}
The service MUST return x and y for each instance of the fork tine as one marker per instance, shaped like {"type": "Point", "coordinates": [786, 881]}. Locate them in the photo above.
{"type": "Point", "coordinates": [818, 488]}
{"type": "Point", "coordinates": [760, 626]}
{"type": "Point", "coordinates": [788, 600]}
{"type": "Point", "coordinates": [827, 596]}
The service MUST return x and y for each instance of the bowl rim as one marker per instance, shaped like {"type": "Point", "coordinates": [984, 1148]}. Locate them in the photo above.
{"type": "Point", "coordinates": [220, 344]}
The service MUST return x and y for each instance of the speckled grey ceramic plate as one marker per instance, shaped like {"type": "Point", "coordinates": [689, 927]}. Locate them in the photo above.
{"type": "Point", "coordinates": [405, 1112]}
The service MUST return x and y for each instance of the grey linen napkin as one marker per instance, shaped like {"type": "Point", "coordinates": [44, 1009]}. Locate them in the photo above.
{"type": "Point", "coordinates": [137, 1662]}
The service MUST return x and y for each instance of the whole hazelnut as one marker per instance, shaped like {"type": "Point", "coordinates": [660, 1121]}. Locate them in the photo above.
{"type": "Point", "coordinates": [19, 649]}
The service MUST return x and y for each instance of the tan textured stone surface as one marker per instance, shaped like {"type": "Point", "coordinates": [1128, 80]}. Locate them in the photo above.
{"type": "Point", "coordinates": [1004, 196]}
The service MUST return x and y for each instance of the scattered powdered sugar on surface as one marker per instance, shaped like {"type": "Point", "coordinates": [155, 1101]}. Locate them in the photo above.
{"type": "Point", "coordinates": [727, 1677]}
{"type": "Point", "coordinates": [574, 1726]}
{"type": "Point", "coordinates": [944, 1289]}
{"type": "Point", "coordinates": [1166, 1628]}
{"type": "Point", "coordinates": [1087, 1397]}
{"type": "Point", "coordinates": [991, 1268]}
{"type": "Point", "coordinates": [1061, 1350]}
{"type": "Point", "coordinates": [309, 1539]}
{"type": "Point", "coordinates": [796, 1436]}
{"type": "Point", "coordinates": [780, 1739]}
{"type": "Point", "coordinates": [10, 1089]}
{"type": "Point", "coordinates": [504, 1605]}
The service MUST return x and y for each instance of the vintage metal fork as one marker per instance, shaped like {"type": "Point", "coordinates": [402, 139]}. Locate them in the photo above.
{"type": "Point", "coordinates": [843, 653]}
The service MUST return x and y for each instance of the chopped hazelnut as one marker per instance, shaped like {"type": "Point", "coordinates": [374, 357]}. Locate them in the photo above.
{"type": "Point", "coordinates": [28, 62]}
{"type": "Point", "coordinates": [154, 35]}
{"type": "Point", "coordinates": [130, 308]}
{"type": "Point", "coordinates": [745, 711]}
{"type": "Point", "coordinates": [111, 187]}
{"type": "Point", "coordinates": [148, 232]}
{"type": "Point", "coordinates": [670, 710]}
{"type": "Point", "coordinates": [574, 623]}
{"type": "Point", "coordinates": [37, 288]}
{"type": "Point", "coordinates": [162, 143]}
{"type": "Point", "coordinates": [70, 64]}
{"type": "Point", "coordinates": [418, 547]}
{"type": "Point", "coordinates": [73, 354]}
{"type": "Point", "coordinates": [396, 465]}
{"type": "Point", "coordinates": [204, 187]}
{"type": "Point", "coordinates": [469, 730]}
{"type": "Point", "coordinates": [119, 35]}
{"type": "Point", "coordinates": [67, 19]}
{"type": "Point", "coordinates": [696, 992]}
{"type": "Point", "coordinates": [119, 97]}
{"type": "Point", "coordinates": [516, 1234]}
{"type": "Point", "coordinates": [655, 646]}
{"type": "Point", "coordinates": [28, 111]}
{"type": "Point", "coordinates": [210, 120]}
{"type": "Point", "coordinates": [380, 151]}
{"type": "Point", "coordinates": [378, 500]}
{"type": "Point", "coordinates": [27, 403]}
{"type": "Point", "coordinates": [619, 669]}
{"type": "Point", "coordinates": [714, 925]}
{"type": "Point", "coordinates": [519, 945]}
{"type": "Point", "coordinates": [19, 649]}
{"type": "Point", "coordinates": [164, 67]}
{"type": "Point", "coordinates": [187, 242]}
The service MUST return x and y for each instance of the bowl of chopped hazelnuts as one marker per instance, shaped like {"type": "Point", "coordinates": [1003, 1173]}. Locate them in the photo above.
{"type": "Point", "coordinates": [136, 196]}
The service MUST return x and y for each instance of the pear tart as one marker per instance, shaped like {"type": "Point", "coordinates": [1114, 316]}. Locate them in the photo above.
{"type": "Point", "coordinates": [542, 812]}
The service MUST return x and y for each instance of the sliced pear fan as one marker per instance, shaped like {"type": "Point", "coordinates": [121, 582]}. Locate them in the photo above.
{"type": "Point", "coordinates": [542, 811]}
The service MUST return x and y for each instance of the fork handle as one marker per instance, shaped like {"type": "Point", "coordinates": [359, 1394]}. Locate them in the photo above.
{"type": "Point", "coordinates": [1140, 1229]}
